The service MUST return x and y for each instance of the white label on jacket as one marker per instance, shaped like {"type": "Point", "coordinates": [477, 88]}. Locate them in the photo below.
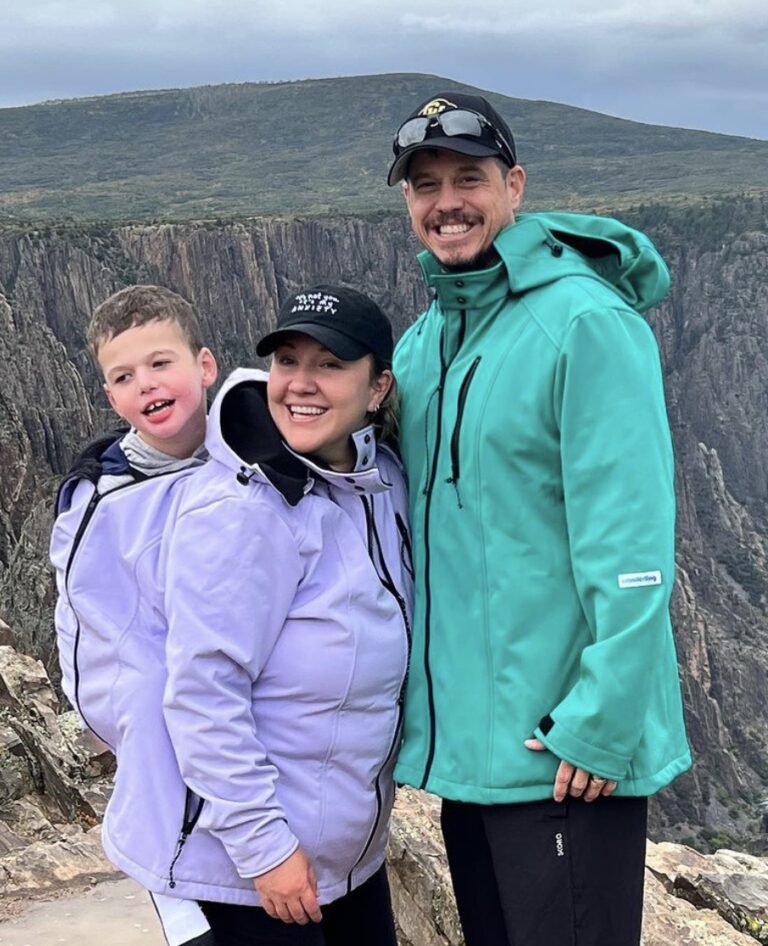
{"type": "Point", "coordinates": [639, 579]}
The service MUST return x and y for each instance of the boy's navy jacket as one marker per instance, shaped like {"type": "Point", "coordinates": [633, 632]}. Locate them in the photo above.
{"type": "Point", "coordinates": [278, 594]}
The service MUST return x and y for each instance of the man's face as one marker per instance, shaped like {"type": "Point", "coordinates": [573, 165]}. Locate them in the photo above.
{"type": "Point", "coordinates": [458, 204]}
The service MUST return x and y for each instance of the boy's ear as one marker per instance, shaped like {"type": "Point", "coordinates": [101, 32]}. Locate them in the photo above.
{"type": "Point", "coordinates": [110, 398]}
{"type": "Point", "coordinates": [209, 367]}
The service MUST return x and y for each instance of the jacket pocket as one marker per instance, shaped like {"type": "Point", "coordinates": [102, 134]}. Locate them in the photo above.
{"type": "Point", "coordinates": [193, 807]}
{"type": "Point", "coordinates": [406, 551]}
{"type": "Point", "coordinates": [456, 435]}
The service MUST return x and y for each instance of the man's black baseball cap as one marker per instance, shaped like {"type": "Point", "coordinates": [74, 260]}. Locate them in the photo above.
{"type": "Point", "coordinates": [494, 138]}
{"type": "Point", "coordinates": [343, 320]}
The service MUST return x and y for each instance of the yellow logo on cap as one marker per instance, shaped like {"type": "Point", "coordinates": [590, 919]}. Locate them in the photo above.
{"type": "Point", "coordinates": [436, 106]}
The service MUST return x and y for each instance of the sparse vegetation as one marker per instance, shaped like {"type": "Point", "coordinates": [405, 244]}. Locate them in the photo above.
{"type": "Point", "coordinates": [317, 146]}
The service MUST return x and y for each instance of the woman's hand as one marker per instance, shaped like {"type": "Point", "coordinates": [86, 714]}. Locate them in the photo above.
{"type": "Point", "coordinates": [289, 891]}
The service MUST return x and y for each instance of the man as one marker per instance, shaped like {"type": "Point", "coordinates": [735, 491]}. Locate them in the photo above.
{"type": "Point", "coordinates": [534, 432]}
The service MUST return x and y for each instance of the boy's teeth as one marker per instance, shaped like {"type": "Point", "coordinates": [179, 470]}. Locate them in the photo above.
{"type": "Point", "coordinates": [158, 406]}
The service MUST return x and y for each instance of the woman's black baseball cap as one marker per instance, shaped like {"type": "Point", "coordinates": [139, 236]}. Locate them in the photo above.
{"type": "Point", "coordinates": [346, 322]}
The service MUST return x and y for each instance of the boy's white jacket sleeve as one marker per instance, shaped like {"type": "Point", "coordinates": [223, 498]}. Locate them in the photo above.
{"type": "Point", "coordinates": [232, 573]}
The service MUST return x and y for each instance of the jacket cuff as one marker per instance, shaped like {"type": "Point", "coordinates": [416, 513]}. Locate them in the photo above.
{"type": "Point", "coordinates": [275, 843]}
{"type": "Point", "coordinates": [569, 748]}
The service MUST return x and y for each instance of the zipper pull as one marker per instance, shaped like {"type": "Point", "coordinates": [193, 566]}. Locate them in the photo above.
{"type": "Point", "coordinates": [454, 481]}
{"type": "Point", "coordinates": [179, 847]}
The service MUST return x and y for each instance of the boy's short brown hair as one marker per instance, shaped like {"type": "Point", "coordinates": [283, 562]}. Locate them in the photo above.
{"type": "Point", "coordinates": [137, 305]}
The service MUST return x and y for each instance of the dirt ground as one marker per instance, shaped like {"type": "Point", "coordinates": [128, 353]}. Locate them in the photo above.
{"type": "Point", "coordinates": [113, 913]}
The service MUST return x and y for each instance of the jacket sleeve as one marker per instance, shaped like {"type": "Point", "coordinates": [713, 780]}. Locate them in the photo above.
{"type": "Point", "coordinates": [63, 535]}
{"type": "Point", "coordinates": [618, 485]}
{"type": "Point", "coordinates": [232, 570]}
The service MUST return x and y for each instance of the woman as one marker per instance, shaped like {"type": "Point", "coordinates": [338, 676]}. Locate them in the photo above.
{"type": "Point", "coordinates": [288, 596]}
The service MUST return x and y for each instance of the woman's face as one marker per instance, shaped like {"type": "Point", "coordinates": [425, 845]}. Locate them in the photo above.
{"type": "Point", "coordinates": [317, 400]}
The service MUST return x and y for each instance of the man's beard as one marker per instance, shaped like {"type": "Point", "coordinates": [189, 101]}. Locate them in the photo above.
{"type": "Point", "coordinates": [482, 260]}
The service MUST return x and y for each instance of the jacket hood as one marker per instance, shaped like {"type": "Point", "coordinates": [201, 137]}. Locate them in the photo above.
{"type": "Point", "coordinates": [540, 248]}
{"type": "Point", "coordinates": [242, 435]}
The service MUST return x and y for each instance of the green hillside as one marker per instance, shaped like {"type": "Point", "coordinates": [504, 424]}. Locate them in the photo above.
{"type": "Point", "coordinates": [320, 145]}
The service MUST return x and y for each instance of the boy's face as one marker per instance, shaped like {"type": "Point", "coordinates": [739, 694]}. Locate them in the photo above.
{"type": "Point", "coordinates": [154, 382]}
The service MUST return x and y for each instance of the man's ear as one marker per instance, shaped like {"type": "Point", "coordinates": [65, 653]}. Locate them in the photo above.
{"type": "Point", "coordinates": [515, 182]}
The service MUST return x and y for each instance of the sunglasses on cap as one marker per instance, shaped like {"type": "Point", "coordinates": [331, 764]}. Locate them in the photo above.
{"type": "Point", "coordinates": [453, 122]}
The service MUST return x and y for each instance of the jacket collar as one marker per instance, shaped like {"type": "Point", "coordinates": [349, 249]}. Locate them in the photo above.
{"type": "Point", "coordinates": [249, 432]}
{"type": "Point", "coordinates": [483, 288]}
{"type": "Point", "coordinates": [100, 456]}
{"type": "Point", "coordinates": [541, 248]}
{"type": "Point", "coordinates": [364, 477]}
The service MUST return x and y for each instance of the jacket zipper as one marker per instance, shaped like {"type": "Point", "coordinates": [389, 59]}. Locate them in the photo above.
{"type": "Point", "coordinates": [427, 558]}
{"type": "Point", "coordinates": [455, 437]}
{"type": "Point", "coordinates": [388, 583]}
{"type": "Point", "coordinates": [193, 806]}
{"type": "Point", "coordinates": [387, 580]}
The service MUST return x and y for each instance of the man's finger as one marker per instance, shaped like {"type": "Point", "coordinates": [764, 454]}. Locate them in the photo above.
{"type": "Point", "coordinates": [609, 788]}
{"type": "Point", "coordinates": [563, 780]}
{"type": "Point", "coordinates": [595, 789]}
{"type": "Point", "coordinates": [535, 744]}
{"type": "Point", "coordinates": [579, 783]}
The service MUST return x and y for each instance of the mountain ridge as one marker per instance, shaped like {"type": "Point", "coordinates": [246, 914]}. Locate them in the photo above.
{"type": "Point", "coordinates": [323, 145]}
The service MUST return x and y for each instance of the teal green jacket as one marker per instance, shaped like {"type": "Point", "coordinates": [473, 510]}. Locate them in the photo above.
{"type": "Point", "coordinates": [537, 446]}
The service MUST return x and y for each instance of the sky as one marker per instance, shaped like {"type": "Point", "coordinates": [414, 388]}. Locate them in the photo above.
{"type": "Point", "coordinates": [687, 63]}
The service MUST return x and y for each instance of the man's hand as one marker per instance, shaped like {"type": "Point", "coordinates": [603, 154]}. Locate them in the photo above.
{"type": "Point", "coordinates": [572, 781]}
{"type": "Point", "coordinates": [289, 891]}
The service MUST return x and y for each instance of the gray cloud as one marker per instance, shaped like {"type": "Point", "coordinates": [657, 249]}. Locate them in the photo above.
{"type": "Point", "coordinates": [695, 63]}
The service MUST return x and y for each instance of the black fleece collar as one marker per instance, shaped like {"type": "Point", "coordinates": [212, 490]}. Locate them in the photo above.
{"type": "Point", "coordinates": [248, 429]}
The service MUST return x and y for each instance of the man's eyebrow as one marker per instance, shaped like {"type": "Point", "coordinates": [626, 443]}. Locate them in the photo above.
{"type": "Point", "coordinates": [471, 166]}
{"type": "Point", "coordinates": [460, 169]}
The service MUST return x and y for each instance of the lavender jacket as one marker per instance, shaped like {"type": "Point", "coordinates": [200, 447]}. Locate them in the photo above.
{"type": "Point", "coordinates": [286, 590]}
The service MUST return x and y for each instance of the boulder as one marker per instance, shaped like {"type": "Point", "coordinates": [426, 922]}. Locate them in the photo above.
{"type": "Point", "coordinates": [731, 883]}
{"type": "Point", "coordinates": [45, 866]}
{"type": "Point", "coordinates": [691, 899]}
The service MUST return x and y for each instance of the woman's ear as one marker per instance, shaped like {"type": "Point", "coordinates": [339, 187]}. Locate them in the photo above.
{"type": "Point", "coordinates": [381, 388]}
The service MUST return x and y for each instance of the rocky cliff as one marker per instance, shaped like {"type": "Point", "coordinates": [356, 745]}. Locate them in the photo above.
{"type": "Point", "coordinates": [713, 333]}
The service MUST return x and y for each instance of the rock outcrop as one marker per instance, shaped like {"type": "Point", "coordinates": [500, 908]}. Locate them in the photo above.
{"type": "Point", "coordinates": [690, 899]}
{"type": "Point", "coordinates": [713, 334]}
{"type": "Point", "coordinates": [54, 783]}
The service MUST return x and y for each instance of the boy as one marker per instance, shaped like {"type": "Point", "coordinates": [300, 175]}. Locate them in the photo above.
{"type": "Point", "coordinates": [110, 514]}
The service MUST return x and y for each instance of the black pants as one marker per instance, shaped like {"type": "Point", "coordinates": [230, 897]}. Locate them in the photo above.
{"type": "Point", "coordinates": [361, 918]}
{"type": "Point", "coordinates": [548, 873]}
